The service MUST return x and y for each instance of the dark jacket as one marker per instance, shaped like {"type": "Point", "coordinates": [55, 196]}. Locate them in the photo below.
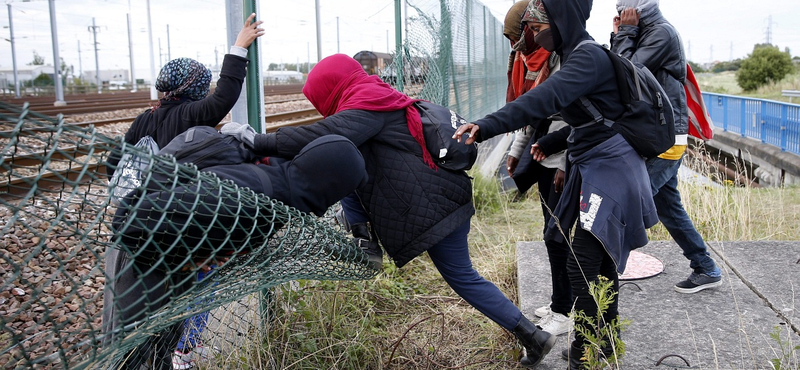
{"type": "Point", "coordinates": [412, 206]}
{"type": "Point", "coordinates": [657, 45]}
{"type": "Point", "coordinates": [609, 190]}
{"type": "Point", "coordinates": [584, 72]}
{"type": "Point", "coordinates": [176, 116]}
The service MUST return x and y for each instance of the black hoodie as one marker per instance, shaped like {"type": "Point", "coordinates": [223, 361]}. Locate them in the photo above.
{"type": "Point", "coordinates": [584, 72]}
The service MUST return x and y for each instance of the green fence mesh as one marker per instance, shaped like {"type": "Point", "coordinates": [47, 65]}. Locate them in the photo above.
{"type": "Point", "coordinates": [454, 54]}
{"type": "Point", "coordinates": [57, 227]}
{"type": "Point", "coordinates": [57, 220]}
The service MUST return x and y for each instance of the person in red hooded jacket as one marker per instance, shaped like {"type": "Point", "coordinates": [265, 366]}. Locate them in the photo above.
{"type": "Point", "coordinates": [408, 205]}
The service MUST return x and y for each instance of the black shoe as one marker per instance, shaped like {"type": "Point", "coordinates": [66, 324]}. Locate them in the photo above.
{"type": "Point", "coordinates": [697, 282]}
{"type": "Point", "coordinates": [536, 341]}
{"type": "Point", "coordinates": [368, 242]}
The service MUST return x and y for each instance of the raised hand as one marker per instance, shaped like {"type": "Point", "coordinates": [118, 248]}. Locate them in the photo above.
{"type": "Point", "coordinates": [249, 32]}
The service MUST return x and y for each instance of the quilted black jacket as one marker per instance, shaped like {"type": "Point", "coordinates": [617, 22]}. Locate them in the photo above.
{"type": "Point", "coordinates": [412, 206]}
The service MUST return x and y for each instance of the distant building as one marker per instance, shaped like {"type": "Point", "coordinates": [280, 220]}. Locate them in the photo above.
{"type": "Point", "coordinates": [282, 76]}
{"type": "Point", "coordinates": [108, 76]}
{"type": "Point", "coordinates": [24, 74]}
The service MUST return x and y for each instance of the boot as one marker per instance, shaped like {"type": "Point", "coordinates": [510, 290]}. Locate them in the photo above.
{"type": "Point", "coordinates": [536, 341]}
{"type": "Point", "coordinates": [368, 242]}
{"type": "Point", "coordinates": [575, 362]}
{"type": "Point", "coordinates": [573, 355]}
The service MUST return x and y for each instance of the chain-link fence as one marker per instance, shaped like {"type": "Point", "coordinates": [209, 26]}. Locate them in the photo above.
{"type": "Point", "coordinates": [454, 54]}
{"type": "Point", "coordinates": [59, 225]}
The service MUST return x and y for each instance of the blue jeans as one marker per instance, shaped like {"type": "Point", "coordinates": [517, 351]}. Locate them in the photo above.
{"type": "Point", "coordinates": [664, 183]}
{"type": "Point", "coordinates": [451, 258]}
{"type": "Point", "coordinates": [193, 327]}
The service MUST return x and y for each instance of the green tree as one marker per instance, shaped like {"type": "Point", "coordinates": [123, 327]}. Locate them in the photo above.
{"type": "Point", "coordinates": [38, 60]}
{"type": "Point", "coordinates": [766, 64]}
{"type": "Point", "coordinates": [43, 79]}
{"type": "Point", "coordinates": [733, 65]}
{"type": "Point", "coordinates": [696, 68]}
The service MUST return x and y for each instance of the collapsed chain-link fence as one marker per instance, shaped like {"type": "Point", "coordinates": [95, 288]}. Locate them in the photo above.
{"type": "Point", "coordinates": [58, 224]}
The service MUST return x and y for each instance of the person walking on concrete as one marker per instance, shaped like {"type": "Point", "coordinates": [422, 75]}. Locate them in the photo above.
{"type": "Point", "coordinates": [607, 190]}
{"type": "Point", "coordinates": [643, 35]}
{"type": "Point", "coordinates": [529, 66]}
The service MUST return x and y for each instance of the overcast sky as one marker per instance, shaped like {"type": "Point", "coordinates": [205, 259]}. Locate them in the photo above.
{"type": "Point", "coordinates": [711, 29]}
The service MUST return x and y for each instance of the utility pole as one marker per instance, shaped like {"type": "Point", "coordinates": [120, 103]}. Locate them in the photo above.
{"type": "Point", "coordinates": [216, 59]}
{"type": "Point", "coordinates": [160, 55]}
{"type": "Point", "coordinates": [56, 59]}
{"type": "Point", "coordinates": [319, 32]}
{"type": "Point", "coordinates": [337, 35]}
{"type": "Point", "coordinates": [153, 91]}
{"type": "Point", "coordinates": [13, 52]}
{"type": "Point", "coordinates": [308, 62]}
{"type": "Point", "coordinates": [731, 58]}
{"type": "Point", "coordinates": [80, 61]}
{"type": "Point", "coordinates": [711, 53]}
{"type": "Point", "coordinates": [93, 28]}
{"type": "Point", "coordinates": [769, 30]}
{"type": "Point", "coordinates": [169, 47]}
{"type": "Point", "coordinates": [387, 42]}
{"type": "Point", "coordinates": [130, 51]}
{"type": "Point", "coordinates": [689, 52]}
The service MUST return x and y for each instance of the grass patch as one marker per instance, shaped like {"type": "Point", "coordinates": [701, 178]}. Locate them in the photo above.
{"type": "Point", "coordinates": [410, 318]}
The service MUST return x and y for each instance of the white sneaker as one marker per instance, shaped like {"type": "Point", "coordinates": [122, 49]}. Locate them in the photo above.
{"type": "Point", "coordinates": [543, 311]}
{"type": "Point", "coordinates": [555, 323]}
{"type": "Point", "coordinates": [182, 361]}
{"type": "Point", "coordinates": [185, 361]}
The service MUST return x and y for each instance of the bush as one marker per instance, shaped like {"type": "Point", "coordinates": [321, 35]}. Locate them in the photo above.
{"type": "Point", "coordinates": [766, 64]}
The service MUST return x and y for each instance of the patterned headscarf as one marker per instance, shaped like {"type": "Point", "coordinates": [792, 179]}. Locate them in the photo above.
{"type": "Point", "coordinates": [184, 77]}
{"type": "Point", "coordinates": [535, 12]}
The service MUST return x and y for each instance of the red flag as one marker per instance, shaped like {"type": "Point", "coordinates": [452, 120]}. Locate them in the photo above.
{"type": "Point", "coordinates": [700, 125]}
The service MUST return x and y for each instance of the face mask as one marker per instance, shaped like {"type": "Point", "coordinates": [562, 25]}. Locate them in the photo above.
{"type": "Point", "coordinates": [545, 40]}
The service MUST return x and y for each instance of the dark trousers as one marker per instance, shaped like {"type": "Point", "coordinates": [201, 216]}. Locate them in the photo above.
{"type": "Point", "coordinates": [451, 258]}
{"type": "Point", "coordinates": [557, 252]}
{"type": "Point", "coordinates": [133, 293]}
{"type": "Point", "coordinates": [588, 260]}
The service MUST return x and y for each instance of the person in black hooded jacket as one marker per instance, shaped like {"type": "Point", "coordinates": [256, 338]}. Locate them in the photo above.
{"type": "Point", "coordinates": [607, 189]}
{"type": "Point", "coordinates": [207, 223]}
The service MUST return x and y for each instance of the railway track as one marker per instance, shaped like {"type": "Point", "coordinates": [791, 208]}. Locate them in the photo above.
{"type": "Point", "coordinates": [15, 186]}
{"type": "Point", "coordinates": [94, 103]}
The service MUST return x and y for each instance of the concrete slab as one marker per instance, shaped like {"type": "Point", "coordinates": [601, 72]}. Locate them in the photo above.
{"type": "Point", "coordinates": [723, 328]}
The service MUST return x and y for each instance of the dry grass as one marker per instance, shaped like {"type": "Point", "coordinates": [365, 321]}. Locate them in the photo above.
{"type": "Point", "coordinates": [410, 319]}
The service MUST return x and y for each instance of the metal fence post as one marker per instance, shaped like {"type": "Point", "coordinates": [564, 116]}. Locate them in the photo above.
{"type": "Point", "coordinates": [398, 37]}
{"type": "Point", "coordinates": [784, 124]}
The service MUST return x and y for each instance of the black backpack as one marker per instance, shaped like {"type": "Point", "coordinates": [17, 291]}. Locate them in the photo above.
{"type": "Point", "coordinates": [204, 147]}
{"type": "Point", "coordinates": [648, 122]}
{"type": "Point", "coordinates": [438, 126]}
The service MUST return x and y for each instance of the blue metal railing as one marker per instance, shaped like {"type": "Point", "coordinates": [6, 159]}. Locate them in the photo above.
{"type": "Point", "coordinates": [770, 121]}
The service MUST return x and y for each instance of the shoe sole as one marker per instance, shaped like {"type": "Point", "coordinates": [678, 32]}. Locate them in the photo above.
{"type": "Point", "coordinates": [698, 288]}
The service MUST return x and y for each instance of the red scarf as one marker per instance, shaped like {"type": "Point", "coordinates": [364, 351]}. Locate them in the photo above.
{"type": "Point", "coordinates": [537, 61]}
{"type": "Point", "coordinates": [339, 83]}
